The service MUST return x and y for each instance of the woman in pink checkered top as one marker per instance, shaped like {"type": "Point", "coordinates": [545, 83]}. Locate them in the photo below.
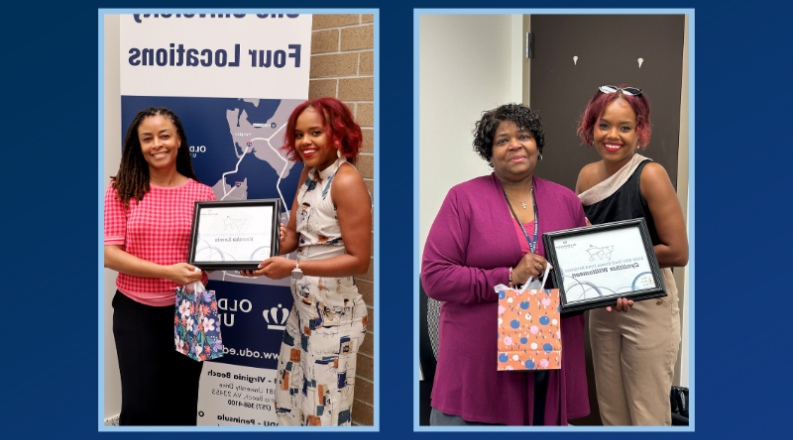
{"type": "Point", "coordinates": [148, 215]}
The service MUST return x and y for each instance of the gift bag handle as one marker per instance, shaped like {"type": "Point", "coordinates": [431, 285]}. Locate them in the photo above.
{"type": "Point", "coordinates": [531, 277]}
{"type": "Point", "coordinates": [196, 286]}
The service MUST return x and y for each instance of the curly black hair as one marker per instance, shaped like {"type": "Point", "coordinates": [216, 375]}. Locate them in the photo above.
{"type": "Point", "coordinates": [522, 116]}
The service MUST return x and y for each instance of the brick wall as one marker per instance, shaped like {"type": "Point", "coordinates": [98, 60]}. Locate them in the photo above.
{"type": "Point", "coordinates": [342, 67]}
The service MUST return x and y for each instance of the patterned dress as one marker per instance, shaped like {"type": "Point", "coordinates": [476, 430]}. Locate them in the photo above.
{"type": "Point", "coordinates": [316, 367]}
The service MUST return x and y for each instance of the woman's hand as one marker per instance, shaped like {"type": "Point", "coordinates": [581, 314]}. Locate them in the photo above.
{"type": "Point", "coordinates": [623, 305]}
{"type": "Point", "coordinates": [282, 234]}
{"type": "Point", "coordinates": [275, 268]}
{"type": "Point", "coordinates": [183, 274]}
{"type": "Point", "coordinates": [530, 265]}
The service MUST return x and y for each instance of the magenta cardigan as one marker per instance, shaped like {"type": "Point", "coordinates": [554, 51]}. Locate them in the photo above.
{"type": "Point", "coordinates": [470, 247]}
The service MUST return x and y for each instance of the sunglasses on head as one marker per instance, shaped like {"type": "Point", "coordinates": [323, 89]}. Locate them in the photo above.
{"type": "Point", "coordinates": [632, 91]}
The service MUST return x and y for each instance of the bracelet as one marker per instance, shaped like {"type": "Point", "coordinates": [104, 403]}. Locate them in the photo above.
{"type": "Point", "coordinates": [510, 277]}
{"type": "Point", "coordinates": [297, 272]}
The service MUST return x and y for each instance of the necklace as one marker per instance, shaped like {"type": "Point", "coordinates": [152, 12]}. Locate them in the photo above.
{"type": "Point", "coordinates": [522, 202]}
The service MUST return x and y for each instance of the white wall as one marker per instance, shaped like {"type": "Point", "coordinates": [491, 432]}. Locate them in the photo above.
{"type": "Point", "coordinates": [468, 64]}
{"type": "Point", "coordinates": [112, 150]}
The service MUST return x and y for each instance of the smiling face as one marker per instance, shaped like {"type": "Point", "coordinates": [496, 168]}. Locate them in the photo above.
{"type": "Point", "coordinates": [311, 140]}
{"type": "Point", "coordinates": [159, 142]}
{"type": "Point", "coordinates": [515, 152]}
{"type": "Point", "coordinates": [615, 132]}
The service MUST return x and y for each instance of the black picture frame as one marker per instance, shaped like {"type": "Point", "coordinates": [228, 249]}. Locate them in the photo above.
{"type": "Point", "coordinates": [603, 296]}
{"type": "Point", "coordinates": [251, 264]}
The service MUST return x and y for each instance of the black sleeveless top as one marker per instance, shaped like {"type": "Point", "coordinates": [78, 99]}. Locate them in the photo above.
{"type": "Point", "coordinates": [626, 203]}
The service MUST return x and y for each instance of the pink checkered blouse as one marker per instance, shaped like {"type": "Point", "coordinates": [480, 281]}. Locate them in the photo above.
{"type": "Point", "coordinates": [157, 230]}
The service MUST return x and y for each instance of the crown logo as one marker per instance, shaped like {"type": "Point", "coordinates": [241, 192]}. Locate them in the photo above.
{"type": "Point", "coordinates": [271, 317]}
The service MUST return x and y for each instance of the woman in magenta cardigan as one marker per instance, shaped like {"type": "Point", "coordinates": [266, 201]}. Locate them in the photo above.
{"type": "Point", "coordinates": [476, 243]}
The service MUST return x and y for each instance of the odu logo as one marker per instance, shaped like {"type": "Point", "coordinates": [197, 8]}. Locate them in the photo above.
{"type": "Point", "coordinates": [195, 149]}
{"type": "Point", "coordinates": [271, 317]}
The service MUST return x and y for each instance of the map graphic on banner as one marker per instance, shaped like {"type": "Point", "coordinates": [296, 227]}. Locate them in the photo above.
{"type": "Point", "coordinates": [235, 148]}
{"type": "Point", "coordinates": [234, 143]}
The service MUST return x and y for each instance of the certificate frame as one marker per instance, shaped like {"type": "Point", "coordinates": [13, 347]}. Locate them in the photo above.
{"type": "Point", "coordinates": [228, 262]}
{"type": "Point", "coordinates": [580, 293]}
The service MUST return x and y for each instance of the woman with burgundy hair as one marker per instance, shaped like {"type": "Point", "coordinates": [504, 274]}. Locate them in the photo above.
{"type": "Point", "coordinates": [634, 353]}
{"type": "Point", "coordinates": [330, 227]}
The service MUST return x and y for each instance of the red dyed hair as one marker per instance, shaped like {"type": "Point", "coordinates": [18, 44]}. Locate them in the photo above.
{"type": "Point", "coordinates": [597, 105]}
{"type": "Point", "coordinates": [338, 122]}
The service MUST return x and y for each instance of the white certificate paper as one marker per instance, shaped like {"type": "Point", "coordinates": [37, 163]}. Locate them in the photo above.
{"type": "Point", "coordinates": [602, 264]}
{"type": "Point", "coordinates": [230, 234]}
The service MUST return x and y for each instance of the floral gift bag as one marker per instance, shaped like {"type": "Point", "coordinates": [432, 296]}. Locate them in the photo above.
{"type": "Point", "coordinates": [196, 330]}
{"type": "Point", "coordinates": [529, 336]}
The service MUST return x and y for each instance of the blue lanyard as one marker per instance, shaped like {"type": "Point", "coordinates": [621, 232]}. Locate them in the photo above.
{"type": "Point", "coordinates": [532, 244]}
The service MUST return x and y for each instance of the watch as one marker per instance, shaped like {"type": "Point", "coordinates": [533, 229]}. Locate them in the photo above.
{"type": "Point", "coordinates": [297, 273]}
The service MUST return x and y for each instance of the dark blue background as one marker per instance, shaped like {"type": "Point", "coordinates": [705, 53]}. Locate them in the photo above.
{"type": "Point", "coordinates": [742, 259]}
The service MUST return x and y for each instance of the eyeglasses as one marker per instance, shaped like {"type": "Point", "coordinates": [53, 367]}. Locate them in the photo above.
{"type": "Point", "coordinates": [632, 91]}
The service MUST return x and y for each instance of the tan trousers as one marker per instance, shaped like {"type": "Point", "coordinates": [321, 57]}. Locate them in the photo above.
{"type": "Point", "coordinates": [634, 357]}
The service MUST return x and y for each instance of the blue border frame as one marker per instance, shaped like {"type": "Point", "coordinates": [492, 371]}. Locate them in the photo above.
{"type": "Point", "coordinates": [376, 211]}
{"type": "Point", "coordinates": [416, 194]}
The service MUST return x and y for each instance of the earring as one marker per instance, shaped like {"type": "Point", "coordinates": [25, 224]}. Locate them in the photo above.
{"type": "Point", "coordinates": [539, 158]}
{"type": "Point", "coordinates": [338, 153]}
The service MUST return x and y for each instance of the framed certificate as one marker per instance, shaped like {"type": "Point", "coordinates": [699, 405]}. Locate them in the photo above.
{"type": "Point", "coordinates": [234, 235]}
{"type": "Point", "coordinates": [595, 265]}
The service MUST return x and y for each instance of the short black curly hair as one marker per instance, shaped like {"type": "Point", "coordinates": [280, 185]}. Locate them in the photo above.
{"type": "Point", "coordinates": [522, 116]}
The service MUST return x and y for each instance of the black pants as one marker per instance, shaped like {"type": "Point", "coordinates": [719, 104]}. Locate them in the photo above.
{"type": "Point", "coordinates": [158, 385]}
{"type": "Point", "coordinates": [540, 391]}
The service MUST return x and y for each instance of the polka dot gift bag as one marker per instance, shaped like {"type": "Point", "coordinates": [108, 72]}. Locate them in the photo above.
{"type": "Point", "coordinates": [196, 329]}
{"type": "Point", "coordinates": [529, 337]}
